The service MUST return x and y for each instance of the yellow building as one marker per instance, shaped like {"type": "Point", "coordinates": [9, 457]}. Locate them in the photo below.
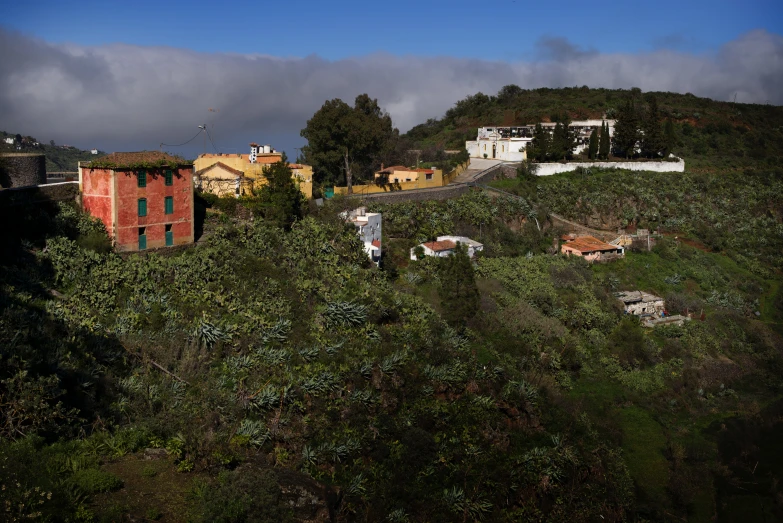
{"type": "Point", "coordinates": [238, 174]}
{"type": "Point", "coordinates": [399, 178]}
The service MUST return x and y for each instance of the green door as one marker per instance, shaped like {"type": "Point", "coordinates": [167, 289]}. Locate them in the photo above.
{"type": "Point", "coordinates": [169, 238]}
{"type": "Point", "coordinates": [142, 242]}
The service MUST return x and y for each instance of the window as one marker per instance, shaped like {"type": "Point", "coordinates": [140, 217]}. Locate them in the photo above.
{"type": "Point", "coordinates": [169, 177]}
{"type": "Point", "coordinates": [428, 176]}
{"type": "Point", "coordinates": [141, 178]}
{"type": "Point", "coordinates": [142, 238]}
{"type": "Point", "coordinates": [142, 207]}
{"type": "Point", "coordinates": [169, 235]}
{"type": "Point", "coordinates": [169, 205]}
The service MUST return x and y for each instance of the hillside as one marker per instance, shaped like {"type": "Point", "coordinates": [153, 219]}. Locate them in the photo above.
{"type": "Point", "coordinates": [265, 369]}
{"type": "Point", "coordinates": [59, 158]}
{"type": "Point", "coordinates": [710, 132]}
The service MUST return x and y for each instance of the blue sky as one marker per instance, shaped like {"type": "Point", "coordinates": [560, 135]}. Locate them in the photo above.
{"type": "Point", "coordinates": [123, 76]}
{"type": "Point", "coordinates": [500, 30]}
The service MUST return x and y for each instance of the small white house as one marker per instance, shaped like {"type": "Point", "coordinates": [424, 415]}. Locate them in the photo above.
{"type": "Point", "coordinates": [9, 141]}
{"type": "Point", "coordinates": [93, 151]}
{"type": "Point", "coordinates": [445, 245]}
{"type": "Point", "coordinates": [641, 303]}
{"type": "Point", "coordinates": [368, 225]}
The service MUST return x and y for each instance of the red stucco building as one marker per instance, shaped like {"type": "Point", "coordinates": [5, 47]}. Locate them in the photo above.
{"type": "Point", "coordinates": [145, 199]}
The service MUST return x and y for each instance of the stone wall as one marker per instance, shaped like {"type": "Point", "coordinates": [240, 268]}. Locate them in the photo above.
{"type": "Point", "coordinates": [22, 169]}
{"type": "Point", "coordinates": [547, 169]}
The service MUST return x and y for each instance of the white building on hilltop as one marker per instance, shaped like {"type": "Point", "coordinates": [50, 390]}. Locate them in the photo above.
{"type": "Point", "coordinates": [509, 143]}
{"type": "Point", "coordinates": [368, 225]}
{"type": "Point", "coordinates": [446, 245]}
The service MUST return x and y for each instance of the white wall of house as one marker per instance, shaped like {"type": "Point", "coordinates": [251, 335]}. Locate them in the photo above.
{"type": "Point", "coordinates": [641, 308]}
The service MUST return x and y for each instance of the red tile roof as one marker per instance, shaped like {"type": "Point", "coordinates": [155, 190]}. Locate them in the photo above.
{"type": "Point", "coordinates": [445, 245]}
{"type": "Point", "coordinates": [393, 168]}
{"type": "Point", "coordinates": [590, 244]}
{"type": "Point", "coordinates": [376, 243]}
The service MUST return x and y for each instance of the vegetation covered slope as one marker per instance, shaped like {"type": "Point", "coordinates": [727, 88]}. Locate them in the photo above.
{"type": "Point", "coordinates": [723, 133]}
{"type": "Point", "coordinates": [271, 351]}
{"type": "Point", "coordinates": [59, 158]}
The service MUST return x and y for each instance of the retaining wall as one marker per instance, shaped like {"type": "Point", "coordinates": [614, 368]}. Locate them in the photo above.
{"type": "Point", "coordinates": [547, 169]}
{"type": "Point", "coordinates": [51, 192]}
{"type": "Point", "coordinates": [417, 195]}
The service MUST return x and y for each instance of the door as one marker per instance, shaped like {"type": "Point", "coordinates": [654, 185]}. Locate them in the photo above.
{"type": "Point", "coordinates": [142, 242]}
{"type": "Point", "coordinates": [169, 238]}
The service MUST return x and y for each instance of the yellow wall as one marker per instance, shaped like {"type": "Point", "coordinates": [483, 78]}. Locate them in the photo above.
{"type": "Point", "coordinates": [254, 172]}
{"type": "Point", "coordinates": [421, 183]}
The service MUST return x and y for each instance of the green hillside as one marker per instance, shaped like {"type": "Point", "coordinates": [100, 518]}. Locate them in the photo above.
{"type": "Point", "coordinates": [709, 132]}
{"type": "Point", "coordinates": [59, 158]}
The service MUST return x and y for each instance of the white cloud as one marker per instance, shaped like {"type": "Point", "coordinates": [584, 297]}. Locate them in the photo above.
{"type": "Point", "coordinates": [124, 97]}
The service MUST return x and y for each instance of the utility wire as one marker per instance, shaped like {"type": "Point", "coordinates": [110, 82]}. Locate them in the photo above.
{"type": "Point", "coordinates": [181, 144]}
{"type": "Point", "coordinates": [210, 139]}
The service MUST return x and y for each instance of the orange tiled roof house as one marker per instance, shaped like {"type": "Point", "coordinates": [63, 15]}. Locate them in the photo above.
{"type": "Point", "coordinates": [591, 249]}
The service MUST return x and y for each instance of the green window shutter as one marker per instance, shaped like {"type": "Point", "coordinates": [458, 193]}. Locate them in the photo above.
{"type": "Point", "coordinates": [142, 207]}
{"type": "Point", "coordinates": [142, 242]}
{"type": "Point", "coordinates": [169, 238]}
{"type": "Point", "coordinates": [141, 177]}
{"type": "Point", "coordinates": [169, 205]}
{"type": "Point", "coordinates": [169, 177]}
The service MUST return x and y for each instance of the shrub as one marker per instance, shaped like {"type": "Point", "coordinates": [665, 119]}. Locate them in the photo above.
{"type": "Point", "coordinates": [245, 495]}
{"type": "Point", "coordinates": [93, 481]}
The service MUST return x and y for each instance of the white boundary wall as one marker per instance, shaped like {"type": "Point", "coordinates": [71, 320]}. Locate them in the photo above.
{"type": "Point", "coordinates": [547, 169]}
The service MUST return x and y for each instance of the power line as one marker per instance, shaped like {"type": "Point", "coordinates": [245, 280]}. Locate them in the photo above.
{"type": "Point", "coordinates": [210, 139]}
{"type": "Point", "coordinates": [181, 144]}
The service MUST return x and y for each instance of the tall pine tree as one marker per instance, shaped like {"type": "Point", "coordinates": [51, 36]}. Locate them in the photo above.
{"type": "Point", "coordinates": [652, 134]}
{"type": "Point", "coordinates": [563, 141]}
{"type": "Point", "coordinates": [538, 150]}
{"type": "Point", "coordinates": [603, 144]}
{"type": "Point", "coordinates": [458, 292]}
{"type": "Point", "coordinates": [592, 148]}
{"type": "Point", "coordinates": [626, 130]}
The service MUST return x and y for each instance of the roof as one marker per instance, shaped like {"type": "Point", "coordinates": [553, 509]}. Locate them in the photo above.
{"type": "Point", "coordinates": [445, 245]}
{"type": "Point", "coordinates": [376, 243]}
{"type": "Point", "coordinates": [637, 296]}
{"type": "Point", "coordinates": [225, 167]}
{"type": "Point", "coordinates": [393, 168]}
{"type": "Point", "coordinates": [261, 158]}
{"type": "Point", "coordinates": [590, 244]}
{"type": "Point", "coordinates": [134, 159]}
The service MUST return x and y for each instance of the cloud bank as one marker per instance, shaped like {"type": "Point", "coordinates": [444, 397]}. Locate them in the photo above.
{"type": "Point", "coordinates": [125, 97]}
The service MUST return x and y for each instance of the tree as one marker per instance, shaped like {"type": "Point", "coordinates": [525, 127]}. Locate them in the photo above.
{"type": "Point", "coordinates": [349, 140]}
{"type": "Point", "coordinates": [626, 130]}
{"type": "Point", "coordinates": [603, 143]}
{"type": "Point", "coordinates": [458, 292]}
{"type": "Point", "coordinates": [669, 138]}
{"type": "Point", "coordinates": [281, 200]}
{"type": "Point", "coordinates": [592, 148]}
{"type": "Point", "coordinates": [51, 142]}
{"type": "Point", "coordinates": [538, 149]}
{"type": "Point", "coordinates": [652, 136]}
{"type": "Point", "coordinates": [563, 141]}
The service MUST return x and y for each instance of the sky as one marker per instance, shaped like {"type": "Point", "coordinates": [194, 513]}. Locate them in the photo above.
{"type": "Point", "coordinates": [129, 75]}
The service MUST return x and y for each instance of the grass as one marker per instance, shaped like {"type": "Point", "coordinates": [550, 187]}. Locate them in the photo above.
{"type": "Point", "coordinates": [643, 447]}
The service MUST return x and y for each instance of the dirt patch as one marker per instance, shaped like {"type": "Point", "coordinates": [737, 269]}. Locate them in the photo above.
{"type": "Point", "coordinates": [688, 241]}
{"type": "Point", "coordinates": [153, 490]}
